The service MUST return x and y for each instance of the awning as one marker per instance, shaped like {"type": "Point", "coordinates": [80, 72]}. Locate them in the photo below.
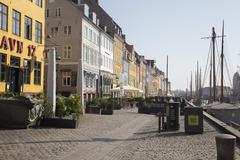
{"type": "Point", "coordinates": [126, 88]}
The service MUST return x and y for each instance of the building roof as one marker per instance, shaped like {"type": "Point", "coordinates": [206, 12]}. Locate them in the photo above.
{"type": "Point", "coordinates": [104, 17]}
{"type": "Point", "coordinates": [129, 47]}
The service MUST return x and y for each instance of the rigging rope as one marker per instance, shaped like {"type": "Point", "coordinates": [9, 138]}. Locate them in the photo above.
{"type": "Point", "coordinates": [207, 66]}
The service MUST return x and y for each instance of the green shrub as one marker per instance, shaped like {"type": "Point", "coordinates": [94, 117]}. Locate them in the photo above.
{"type": "Point", "coordinates": [47, 108]}
{"type": "Point", "coordinates": [74, 105]}
{"type": "Point", "coordinates": [67, 106]}
{"type": "Point", "coordinates": [7, 94]}
{"type": "Point", "coordinates": [102, 102]}
{"type": "Point", "coordinates": [61, 107]}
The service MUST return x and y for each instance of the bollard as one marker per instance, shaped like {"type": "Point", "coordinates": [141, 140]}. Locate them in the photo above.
{"type": "Point", "coordinates": [225, 146]}
{"type": "Point", "coordinates": [159, 122]}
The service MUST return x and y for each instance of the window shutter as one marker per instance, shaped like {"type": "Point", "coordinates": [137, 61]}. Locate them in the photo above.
{"type": "Point", "coordinates": [74, 79]}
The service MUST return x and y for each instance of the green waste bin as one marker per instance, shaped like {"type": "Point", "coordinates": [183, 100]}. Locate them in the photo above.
{"type": "Point", "coordinates": [193, 120]}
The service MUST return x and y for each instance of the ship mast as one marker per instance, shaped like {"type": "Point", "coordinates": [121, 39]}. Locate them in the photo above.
{"type": "Point", "coordinates": [213, 62]}
{"type": "Point", "coordinates": [222, 59]}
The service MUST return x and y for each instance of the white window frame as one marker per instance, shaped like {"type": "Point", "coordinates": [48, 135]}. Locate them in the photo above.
{"type": "Point", "coordinates": [68, 76]}
{"type": "Point", "coordinates": [67, 30]}
{"type": "Point", "coordinates": [67, 52]}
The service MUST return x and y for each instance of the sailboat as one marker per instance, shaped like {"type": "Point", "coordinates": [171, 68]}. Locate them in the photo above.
{"type": "Point", "coordinates": [213, 97]}
{"type": "Point", "coordinates": [218, 106]}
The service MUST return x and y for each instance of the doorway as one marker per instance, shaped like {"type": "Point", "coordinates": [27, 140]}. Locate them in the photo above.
{"type": "Point", "coordinates": [14, 85]}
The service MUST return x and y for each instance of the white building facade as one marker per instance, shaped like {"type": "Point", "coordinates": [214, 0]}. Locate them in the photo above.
{"type": "Point", "coordinates": [106, 63]}
{"type": "Point", "coordinates": [90, 56]}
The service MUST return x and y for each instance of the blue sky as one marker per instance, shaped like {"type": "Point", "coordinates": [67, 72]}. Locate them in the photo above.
{"type": "Point", "coordinates": [174, 27]}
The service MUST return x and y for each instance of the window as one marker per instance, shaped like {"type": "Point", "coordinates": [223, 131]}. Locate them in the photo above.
{"type": "Point", "coordinates": [58, 12]}
{"type": "Point", "coordinates": [39, 3]}
{"type": "Point", "coordinates": [16, 22]}
{"type": "Point", "coordinates": [28, 28]}
{"type": "Point", "coordinates": [67, 52]}
{"type": "Point", "coordinates": [94, 38]}
{"type": "Point", "coordinates": [67, 30]}
{"type": "Point", "coordinates": [96, 58]}
{"type": "Point", "coordinates": [3, 17]}
{"type": "Point", "coordinates": [47, 13]}
{"type": "Point", "coordinates": [86, 10]}
{"type": "Point", "coordinates": [98, 39]}
{"type": "Point", "coordinates": [37, 73]}
{"type": "Point", "coordinates": [91, 82]}
{"type": "Point", "coordinates": [54, 31]}
{"type": "Point", "coordinates": [27, 72]}
{"type": "Point", "coordinates": [90, 35]}
{"type": "Point", "coordinates": [38, 32]}
{"type": "Point", "coordinates": [84, 53]}
{"type": "Point", "coordinates": [3, 60]}
{"type": "Point", "coordinates": [15, 61]}
{"type": "Point", "coordinates": [91, 56]}
{"type": "Point", "coordinates": [87, 54]}
{"type": "Point", "coordinates": [85, 32]}
{"type": "Point", "coordinates": [66, 78]}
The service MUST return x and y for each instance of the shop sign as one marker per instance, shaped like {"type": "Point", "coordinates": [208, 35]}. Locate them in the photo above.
{"type": "Point", "coordinates": [15, 45]}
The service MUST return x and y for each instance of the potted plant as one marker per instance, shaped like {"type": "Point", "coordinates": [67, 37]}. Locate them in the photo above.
{"type": "Point", "coordinates": [92, 107]}
{"type": "Point", "coordinates": [68, 113]}
{"type": "Point", "coordinates": [106, 106]}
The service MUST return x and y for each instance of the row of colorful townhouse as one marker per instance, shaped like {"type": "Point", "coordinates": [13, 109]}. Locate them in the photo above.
{"type": "Point", "coordinates": [94, 56]}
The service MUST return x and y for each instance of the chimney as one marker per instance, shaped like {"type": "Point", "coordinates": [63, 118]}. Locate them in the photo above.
{"type": "Point", "coordinates": [124, 36]}
{"type": "Point", "coordinates": [97, 1]}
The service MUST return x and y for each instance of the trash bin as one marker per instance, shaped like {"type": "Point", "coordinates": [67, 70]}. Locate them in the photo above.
{"type": "Point", "coordinates": [193, 119]}
{"type": "Point", "coordinates": [173, 112]}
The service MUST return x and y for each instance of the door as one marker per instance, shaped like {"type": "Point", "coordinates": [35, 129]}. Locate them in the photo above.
{"type": "Point", "coordinates": [14, 85]}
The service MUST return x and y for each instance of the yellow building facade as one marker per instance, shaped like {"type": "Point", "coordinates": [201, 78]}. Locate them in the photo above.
{"type": "Point", "coordinates": [118, 60]}
{"type": "Point", "coordinates": [142, 75]}
{"type": "Point", "coordinates": [22, 24]}
{"type": "Point", "coordinates": [132, 70]}
{"type": "Point", "coordinates": [133, 75]}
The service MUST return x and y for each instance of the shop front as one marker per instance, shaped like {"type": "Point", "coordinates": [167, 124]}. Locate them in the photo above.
{"type": "Point", "coordinates": [20, 67]}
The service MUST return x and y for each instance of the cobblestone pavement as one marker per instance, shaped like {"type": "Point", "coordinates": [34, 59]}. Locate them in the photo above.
{"type": "Point", "coordinates": [43, 144]}
{"type": "Point", "coordinates": [147, 144]}
{"type": "Point", "coordinates": [124, 136]}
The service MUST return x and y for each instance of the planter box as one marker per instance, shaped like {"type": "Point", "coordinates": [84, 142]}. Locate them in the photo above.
{"type": "Point", "coordinates": [107, 112]}
{"type": "Point", "coordinates": [59, 123]}
{"type": "Point", "coordinates": [15, 113]}
{"type": "Point", "coordinates": [93, 109]}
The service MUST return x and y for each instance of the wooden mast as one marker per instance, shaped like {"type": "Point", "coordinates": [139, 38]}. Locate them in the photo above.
{"type": "Point", "coordinates": [167, 78]}
{"type": "Point", "coordinates": [191, 86]}
{"type": "Point", "coordinates": [222, 59]}
{"type": "Point", "coordinates": [197, 83]}
{"type": "Point", "coordinates": [200, 83]}
{"type": "Point", "coordinates": [214, 68]}
{"type": "Point", "coordinates": [210, 80]}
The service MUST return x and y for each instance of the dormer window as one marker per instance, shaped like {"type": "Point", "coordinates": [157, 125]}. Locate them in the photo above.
{"type": "Point", "coordinates": [86, 10]}
{"type": "Point", "coordinates": [94, 17]}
